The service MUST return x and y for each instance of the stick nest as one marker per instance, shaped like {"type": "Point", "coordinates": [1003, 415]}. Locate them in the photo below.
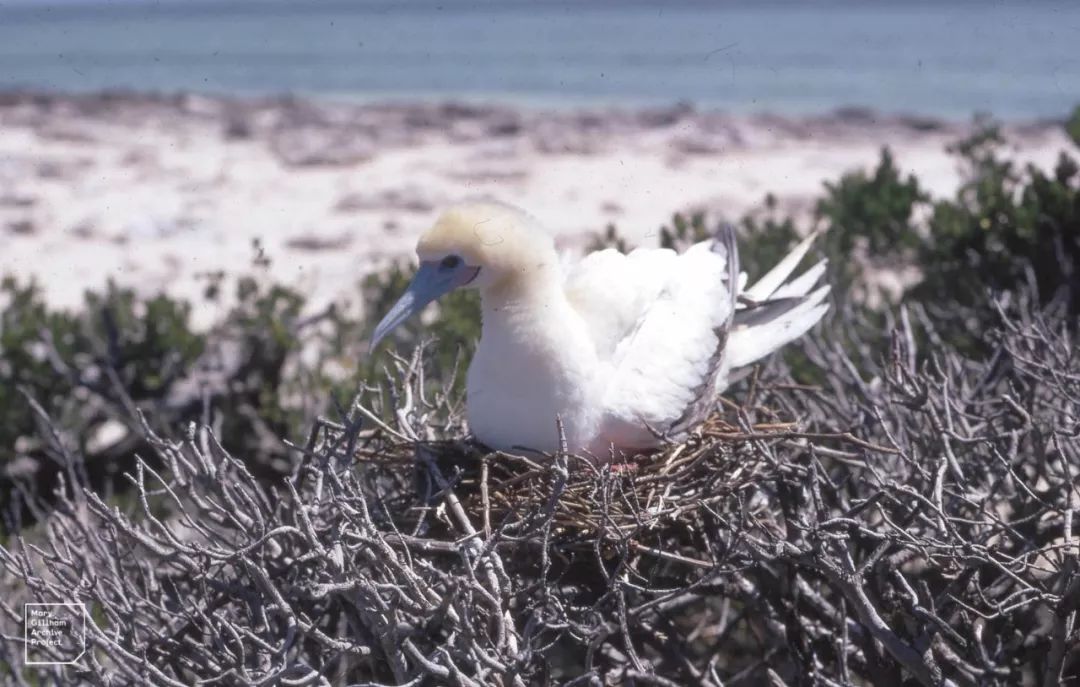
{"type": "Point", "coordinates": [652, 502]}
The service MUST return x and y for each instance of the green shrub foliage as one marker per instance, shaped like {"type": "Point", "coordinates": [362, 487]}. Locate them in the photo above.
{"type": "Point", "coordinates": [131, 346]}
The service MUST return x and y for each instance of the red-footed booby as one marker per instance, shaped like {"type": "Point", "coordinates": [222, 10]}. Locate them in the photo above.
{"type": "Point", "coordinates": [626, 349]}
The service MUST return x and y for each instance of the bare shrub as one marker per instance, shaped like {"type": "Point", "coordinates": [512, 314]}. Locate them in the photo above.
{"type": "Point", "coordinates": [910, 519]}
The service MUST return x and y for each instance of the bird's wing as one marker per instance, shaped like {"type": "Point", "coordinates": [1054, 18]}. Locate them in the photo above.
{"type": "Point", "coordinates": [611, 291]}
{"type": "Point", "coordinates": [666, 316]}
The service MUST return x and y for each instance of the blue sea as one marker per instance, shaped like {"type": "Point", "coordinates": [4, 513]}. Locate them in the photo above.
{"type": "Point", "coordinates": [952, 58]}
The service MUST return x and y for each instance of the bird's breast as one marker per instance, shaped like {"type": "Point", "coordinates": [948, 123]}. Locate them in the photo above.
{"type": "Point", "coordinates": [524, 375]}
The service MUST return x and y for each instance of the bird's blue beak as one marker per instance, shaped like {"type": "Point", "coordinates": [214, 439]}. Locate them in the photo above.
{"type": "Point", "coordinates": [431, 281]}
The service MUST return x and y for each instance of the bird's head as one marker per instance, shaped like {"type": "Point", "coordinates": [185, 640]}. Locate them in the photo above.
{"type": "Point", "coordinates": [484, 245]}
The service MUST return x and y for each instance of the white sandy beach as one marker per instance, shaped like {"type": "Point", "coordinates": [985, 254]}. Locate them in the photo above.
{"type": "Point", "coordinates": [158, 191]}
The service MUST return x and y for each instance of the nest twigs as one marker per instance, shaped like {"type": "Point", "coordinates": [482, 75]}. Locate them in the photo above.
{"type": "Point", "coordinates": [650, 496]}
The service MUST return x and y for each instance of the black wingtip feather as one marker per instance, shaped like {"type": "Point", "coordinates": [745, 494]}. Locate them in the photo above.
{"type": "Point", "coordinates": [765, 311]}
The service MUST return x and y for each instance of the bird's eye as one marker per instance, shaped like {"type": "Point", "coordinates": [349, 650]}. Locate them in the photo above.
{"type": "Point", "coordinates": [450, 262]}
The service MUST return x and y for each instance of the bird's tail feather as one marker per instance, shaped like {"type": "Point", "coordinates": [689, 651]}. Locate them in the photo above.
{"type": "Point", "coordinates": [767, 285]}
{"type": "Point", "coordinates": [801, 285]}
{"type": "Point", "coordinates": [778, 313]}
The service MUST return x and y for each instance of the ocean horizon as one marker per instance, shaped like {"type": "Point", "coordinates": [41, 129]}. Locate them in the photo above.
{"type": "Point", "coordinates": [1013, 60]}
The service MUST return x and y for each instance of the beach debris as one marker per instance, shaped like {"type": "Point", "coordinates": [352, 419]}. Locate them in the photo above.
{"type": "Point", "coordinates": [83, 230]}
{"type": "Point", "coordinates": [312, 242]}
{"type": "Point", "coordinates": [309, 146]}
{"type": "Point", "coordinates": [407, 199]}
{"type": "Point", "coordinates": [23, 227]}
{"type": "Point", "coordinates": [17, 200]}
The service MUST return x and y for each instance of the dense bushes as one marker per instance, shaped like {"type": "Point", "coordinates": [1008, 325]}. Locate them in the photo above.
{"type": "Point", "coordinates": [909, 514]}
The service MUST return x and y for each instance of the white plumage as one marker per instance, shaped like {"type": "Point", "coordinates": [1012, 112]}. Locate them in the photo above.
{"type": "Point", "coordinates": [625, 349]}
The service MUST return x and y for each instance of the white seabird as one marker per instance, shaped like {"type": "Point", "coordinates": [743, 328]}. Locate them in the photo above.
{"type": "Point", "coordinates": [624, 349]}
